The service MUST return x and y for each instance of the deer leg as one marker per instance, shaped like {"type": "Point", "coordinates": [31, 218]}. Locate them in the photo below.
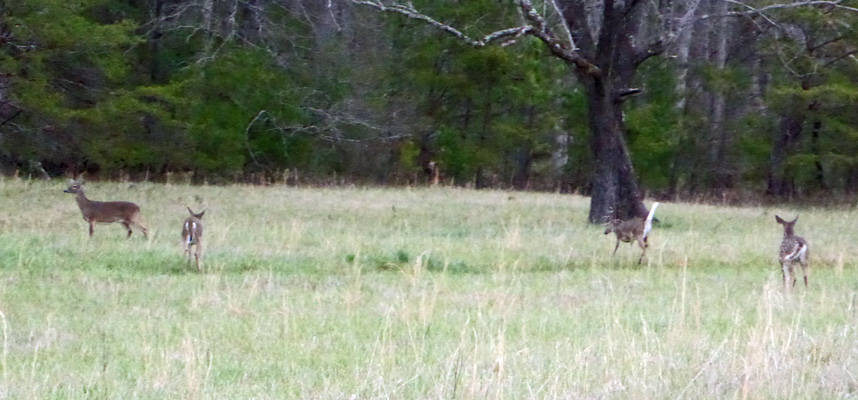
{"type": "Point", "coordinates": [142, 229]}
{"type": "Point", "coordinates": [643, 247]}
{"type": "Point", "coordinates": [804, 270]}
{"type": "Point", "coordinates": [125, 224]}
{"type": "Point", "coordinates": [198, 251]}
{"type": "Point", "coordinates": [186, 249]}
{"type": "Point", "coordinates": [136, 224]}
{"type": "Point", "coordinates": [785, 273]}
{"type": "Point", "coordinates": [792, 272]}
{"type": "Point", "coordinates": [90, 228]}
{"type": "Point", "coordinates": [616, 247]}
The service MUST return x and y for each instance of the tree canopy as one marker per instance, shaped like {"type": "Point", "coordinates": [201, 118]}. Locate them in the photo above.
{"type": "Point", "coordinates": [729, 99]}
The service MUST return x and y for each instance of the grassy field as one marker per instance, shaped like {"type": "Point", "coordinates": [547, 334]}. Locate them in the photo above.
{"type": "Point", "coordinates": [415, 294]}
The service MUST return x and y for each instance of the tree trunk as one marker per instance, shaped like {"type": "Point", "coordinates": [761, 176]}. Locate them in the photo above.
{"type": "Point", "coordinates": [523, 163]}
{"type": "Point", "coordinates": [720, 175]}
{"type": "Point", "coordinates": [614, 187]}
{"type": "Point", "coordinates": [682, 49]}
{"type": "Point", "coordinates": [615, 192]}
{"type": "Point", "coordinates": [817, 163]}
{"type": "Point", "coordinates": [156, 73]}
{"type": "Point", "coordinates": [788, 133]}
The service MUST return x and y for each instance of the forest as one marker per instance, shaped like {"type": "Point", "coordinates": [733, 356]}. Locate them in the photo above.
{"type": "Point", "coordinates": [727, 101]}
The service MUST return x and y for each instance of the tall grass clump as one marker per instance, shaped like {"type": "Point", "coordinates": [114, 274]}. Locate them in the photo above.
{"type": "Point", "coordinates": [408, 293]}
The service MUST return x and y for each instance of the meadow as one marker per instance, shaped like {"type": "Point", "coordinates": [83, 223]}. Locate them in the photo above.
{"type": "Point", "coordinates": [416, 293]}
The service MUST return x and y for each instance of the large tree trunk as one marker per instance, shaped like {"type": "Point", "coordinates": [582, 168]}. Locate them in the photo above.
{"type": "Point", "coordinates": [614, 187]}
{"type": "Point", "coordinates": [614, 192]}
{"type": "Point", "coordinates": [601, 46]}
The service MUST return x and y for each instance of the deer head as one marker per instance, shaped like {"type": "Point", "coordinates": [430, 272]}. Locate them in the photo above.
{"type": "Point", "coordinates": [788, 225]}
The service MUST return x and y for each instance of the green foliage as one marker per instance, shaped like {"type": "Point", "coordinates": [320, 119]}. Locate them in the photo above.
{"type": "Point", "coordinates": [655, 126]}
{"type": "Point", "coordinates": [826, 152]}
{"type": "Point", "coordinates": [755, 136]}
{"type": "Point", "coordinates": [236, 104]}
{"type": "Point", "coordinates": [108, 86]}
{"type": "Point", "coordinates": [69, 74]}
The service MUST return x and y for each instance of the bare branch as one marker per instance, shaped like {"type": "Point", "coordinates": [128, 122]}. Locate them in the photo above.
{"type": "Point", "coordinates": [565, 26]}
{"type": "Point", "coordinates": [671, 34]}
{"type": "Point", "coordinates": [409, 11]}
{"type": "Point", "coordinates": [751, 10]}
{"type": "Point", "coordinates": [537, 28]}
{"type": "Point", "coordinates": [557, 47]}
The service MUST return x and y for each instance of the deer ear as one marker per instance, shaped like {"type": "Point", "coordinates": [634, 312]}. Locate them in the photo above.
{"type": "Point", "coordinates": [200, 215]}
{"type": "Point", "coordinates": [779, 219]}
{"type": "Point", "coordinates": [796, 219]}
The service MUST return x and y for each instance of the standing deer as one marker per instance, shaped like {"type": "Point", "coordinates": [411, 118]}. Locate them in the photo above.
{"type": "Point", "coordinates": [635, 229]}
{"type": "Point", "coordinates": [124, 212]}
{"type": "Point", "coordinates": [792, 248]}
{"type": "Point", "coordinates": [192, 235]}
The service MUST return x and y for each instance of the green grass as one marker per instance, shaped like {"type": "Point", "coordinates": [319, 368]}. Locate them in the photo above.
{"type": "Point", "coordinates": [412, 294]}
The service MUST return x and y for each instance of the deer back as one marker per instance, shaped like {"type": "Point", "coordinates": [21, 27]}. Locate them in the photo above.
{"type": "Point", "coordinates": [626, 230]}
{"type": "Point", "coordinates": [792, 245]}
{"type": "Point", "coordinates": [106, 211]}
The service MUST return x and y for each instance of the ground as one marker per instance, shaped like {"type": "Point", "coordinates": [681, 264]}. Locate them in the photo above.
{"type": "Point", "coordinates": [372, 293]}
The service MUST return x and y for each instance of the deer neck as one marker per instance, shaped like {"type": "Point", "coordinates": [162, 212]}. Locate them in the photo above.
{"type": "Point", "coordinates": [82, 201]}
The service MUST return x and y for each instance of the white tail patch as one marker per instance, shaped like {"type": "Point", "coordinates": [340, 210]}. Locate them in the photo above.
{"type": "Point", "coordinates": [648, 222]}
{"type": "Point", "coordinates": [190, 227]}
{"type": "Point", "coordinates": [797, 253]}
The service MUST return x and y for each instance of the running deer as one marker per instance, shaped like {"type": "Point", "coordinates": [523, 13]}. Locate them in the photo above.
{"type": "Point", "coordinates": [192, 235]}
{"type": "Point", "coordinates": [792, 248]}
{"type": "Point", "coordinates": [635, 229]}
{"type": "Point", "coordinates": [124, 212]}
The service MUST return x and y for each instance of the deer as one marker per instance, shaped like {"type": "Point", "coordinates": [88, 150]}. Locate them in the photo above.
{"type": "Point", "coordinates": [629, 231]}
{"type": "Point", "coordinates": [124, 212]}
{"type": "Point", "coordinates": [192, 235]}
{"type": "Point", "coordinates": [792, 248]}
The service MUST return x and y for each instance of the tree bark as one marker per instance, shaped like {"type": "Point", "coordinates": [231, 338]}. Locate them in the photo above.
{"type": "Point", "coordinates": [720, 176]}
{"type": "Point", "coordinates": [614, 187]}
{"type": "Point", "coordinates": [789, 131]}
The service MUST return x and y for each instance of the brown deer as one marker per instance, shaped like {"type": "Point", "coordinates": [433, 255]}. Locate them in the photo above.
{"type": "Point", "coordinates": [124, 212]}
{"type": "Point", "coordinates": [792, 248]}
{"type": "Point", "coordinates": [635, 229]}
{"type": "Point", "coordinates": [192, 235]}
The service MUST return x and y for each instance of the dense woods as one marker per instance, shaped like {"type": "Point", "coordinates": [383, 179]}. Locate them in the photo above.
{"type": "Point", "coordinates": [722, 99]}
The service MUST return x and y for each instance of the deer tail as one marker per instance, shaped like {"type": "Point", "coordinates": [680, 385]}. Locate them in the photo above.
{"type": "Point", "coordinates": [648, 222]}
{"type": "Point", "coordinates": [190, 228]}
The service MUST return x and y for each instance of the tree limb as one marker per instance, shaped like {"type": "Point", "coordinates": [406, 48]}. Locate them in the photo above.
{"type": "Point", "coordinates": [671, 34]}
{"type": "Point", "coordinates": [409, 11]}
{"type": "Point", "coordinates": [557, 47]}
{"type": "Point", "coordinates": [751, 10]}
{"type": "Point", "coordinates": [536, 27]}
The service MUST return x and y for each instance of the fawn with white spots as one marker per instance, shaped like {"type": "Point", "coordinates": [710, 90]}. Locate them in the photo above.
{"type": "Point", "coordinates": [192, 235]}
{"type": "Point", "coordinates": [792, 248]}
